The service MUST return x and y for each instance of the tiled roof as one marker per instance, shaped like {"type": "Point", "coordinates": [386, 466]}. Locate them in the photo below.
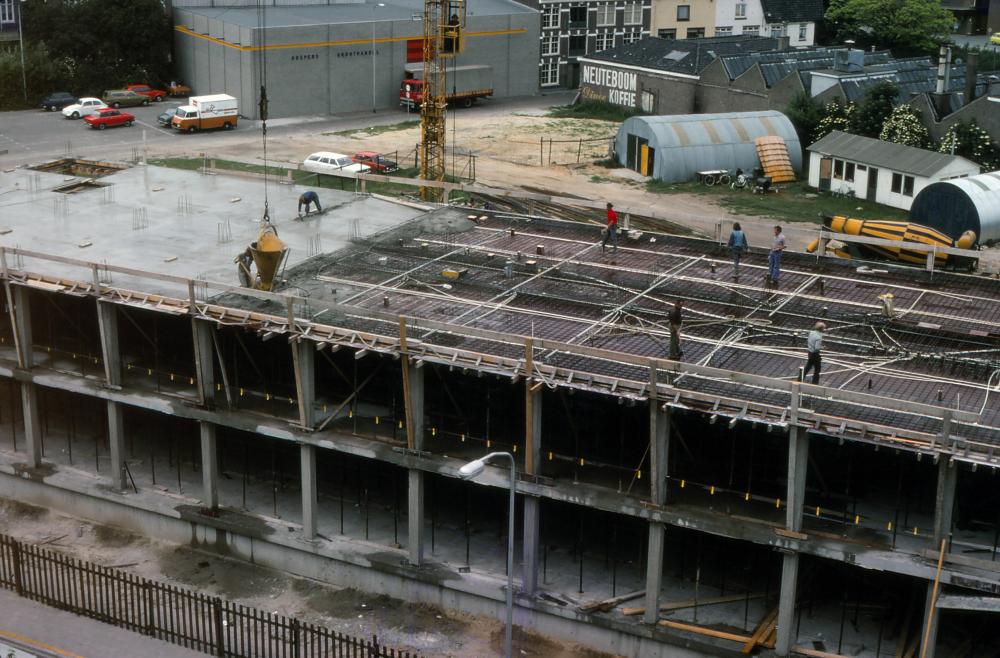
{"type": "Point", "coordinates": [688, 56]}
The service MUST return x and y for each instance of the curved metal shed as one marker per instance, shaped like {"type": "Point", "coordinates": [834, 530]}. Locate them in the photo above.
{"type": "Point", "coordinates": [686, 144]}
{"type": "Point", "coordinates": [961, 204]}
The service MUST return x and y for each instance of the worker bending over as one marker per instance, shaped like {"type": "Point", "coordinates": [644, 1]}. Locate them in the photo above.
{"type": "Point", "coordinates": [243, 263]}
{"type": "Point", "coordinates": [308, 198]}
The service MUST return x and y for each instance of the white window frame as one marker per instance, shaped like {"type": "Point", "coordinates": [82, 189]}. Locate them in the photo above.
{"type": "Point", "coordinates": [605, 15]}
{"type": "Point", "coordinates": [550, 44]}
{"type": "Point", "coordinates": [550, 73]}
{"type": "Point", "coordinates": [550, 17]}
{"type": "Point", "coordinates": [724, 31]}
{"type": "Point", "coordinates": [7, 11]}
{"type": "Point", "coordinates": [605, 41]}
{"type": "Point", "coordinates": [633, 14]}
{"type": "Point", "coordinates": [631, 36]}
{"type": "Point", "coordinates": [778, 30]}
{"type": "Point", "coordinates": [803, 32]}
{"type": "Point", "coordinates": [741, 11]}
{"type": "Point", "coordinates": [751, 30]}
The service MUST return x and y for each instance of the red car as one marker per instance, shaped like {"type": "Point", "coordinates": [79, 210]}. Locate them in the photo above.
{"type": "Point", "coordinates": [157, 96]}
{"type": "Point", "coordinates": [109, 117]}
{"type": "Point", "coordinates": [375, 161]}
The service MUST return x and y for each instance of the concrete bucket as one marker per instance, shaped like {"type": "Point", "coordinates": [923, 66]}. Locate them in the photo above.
{"type": "Point", "coordinates": [268, 254]}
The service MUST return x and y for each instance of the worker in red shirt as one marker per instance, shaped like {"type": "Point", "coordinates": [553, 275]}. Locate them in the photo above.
{"type": "Point", "coordinates": [611, 231]}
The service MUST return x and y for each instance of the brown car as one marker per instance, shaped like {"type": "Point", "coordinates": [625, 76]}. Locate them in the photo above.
{"type": "Point", "coordinates": [124, 98]}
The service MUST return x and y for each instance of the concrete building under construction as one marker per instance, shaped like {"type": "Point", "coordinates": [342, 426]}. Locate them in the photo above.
{"type": "Point", "coordinates": [714, 505]}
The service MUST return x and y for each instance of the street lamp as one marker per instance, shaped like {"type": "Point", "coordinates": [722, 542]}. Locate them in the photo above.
{"type": "Point", "coordinates": [20, 42]}
{"type": "Point", "coordinates": [471, 470]}
{"type": "Point", "coordinates": [374, 7]}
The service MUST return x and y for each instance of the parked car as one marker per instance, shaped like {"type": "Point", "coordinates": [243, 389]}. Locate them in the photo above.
{"type": "Point", "coordinates": [109, 117]}
{"type": "Point", "coordinates": [177, 89]}
{"type": "Point", "coordinates": [376, 161]}
{"type": "Point", "coordinates": [324, 161]}
{"type": "Point", "coordinates": [166, 118]}
{"type": "Point", "coordinates": [995, 37]}
{"type": "Point", "coordinates": [85, 108]}
{"type": "Point", "coordinates": [58, 101]}
{"type": "Point", "coordinates": [157, 96]}
{"type": "Point", "coordinates": [122, 97]}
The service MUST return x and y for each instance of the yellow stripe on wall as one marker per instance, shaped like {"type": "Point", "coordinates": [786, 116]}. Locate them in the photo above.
{"type": "Point", "coordinates": [183, 29]}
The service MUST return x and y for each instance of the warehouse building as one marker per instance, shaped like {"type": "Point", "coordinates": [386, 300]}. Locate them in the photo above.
{"type": "Point", "coordinates": [675, 148]}
{"type": "Point", "coordinates": [319, 58]}
{"type": "Point", "coordinates": [883, 172]}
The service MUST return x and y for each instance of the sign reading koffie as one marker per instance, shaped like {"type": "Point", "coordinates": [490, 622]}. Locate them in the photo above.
{"type": "Point", "coordinates": [616, 87]}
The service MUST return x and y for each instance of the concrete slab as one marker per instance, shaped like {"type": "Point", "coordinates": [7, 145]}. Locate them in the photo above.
{"type": "Point", "coordinates": [176, 222]}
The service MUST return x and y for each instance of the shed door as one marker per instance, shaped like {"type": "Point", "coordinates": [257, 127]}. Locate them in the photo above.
{"type": "Point", "coordinates": [650, 160]}
{"type": "Point", "coordinates": [872, 183]}
{"type": "Point", "coordinates": [644, 160]}
{"type": "Point", "coordinates": [634, 154]}
{"type": "Point", "coordinates": [825, 173]}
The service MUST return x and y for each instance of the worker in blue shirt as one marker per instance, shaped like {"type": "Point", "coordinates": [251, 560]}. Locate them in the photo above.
{"type": "Point", "coordinates": [308, 198]}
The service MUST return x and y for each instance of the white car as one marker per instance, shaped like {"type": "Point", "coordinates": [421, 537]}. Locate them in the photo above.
{"type": "Point", "coordinates": [324, 161]}
{"type": "Point", "coordinates": [85, 108]}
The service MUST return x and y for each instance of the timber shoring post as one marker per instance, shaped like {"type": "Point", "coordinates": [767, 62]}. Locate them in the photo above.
{"type": "Point", "coordinates": [930, 614]}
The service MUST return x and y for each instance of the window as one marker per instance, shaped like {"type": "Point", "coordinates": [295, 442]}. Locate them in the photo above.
{"type": "Point", "coordinates": [605, 41]}
{"type": "Point", "coordinates": [578, 44]}
{"type": "Point", "coordinates": [633, 14]}
{"type": "Point", "coordinates": [838, 169]}
{"type": "Point", "coordinates": [897, 183]}
{"type": "Point", "coordinates": [6, 11]}
{"type": "Point", "coordinates": [632, 37]}
{"type": "Point", "coordinates": [751, 30]}
{"type": "Point", "coordinates": [550, 44]}
{"type": "Point", "coordinates": [723, 31]}
{"type": "Point", "coordinates": [849, 173]}
{"type": "Point", "coordinates": [648, 102]}
{"type": "Point", "coordinates": [696, 32]}
{"type": "Point", "coordinates": [778, 30]}
{"type": "Point", "coordinates": [684, 12]}
{"type": "Point", "coordinates": [550, 73]}
{"type": "Point", "coordinates": [578, 17]}
{"type": "Point", "coordinates": [802, 33]}
{"type": "Point", "coordinates": [606, 15]}
{"type": "Point", "coordinates": [907, 185]}
{"type": "Point", "coordinates": [550, 17]}
{"type": "Point", "coordinates": [670, 33]}
{"type": "Point", "coordinates": [741, 10]}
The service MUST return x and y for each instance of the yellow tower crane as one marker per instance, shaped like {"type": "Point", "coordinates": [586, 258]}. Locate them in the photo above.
{"type": "Point", "coordinates": [444, 38]}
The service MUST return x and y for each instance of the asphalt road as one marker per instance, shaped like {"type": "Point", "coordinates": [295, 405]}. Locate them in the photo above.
{"type": "Point", "coordinates": [33, 136]}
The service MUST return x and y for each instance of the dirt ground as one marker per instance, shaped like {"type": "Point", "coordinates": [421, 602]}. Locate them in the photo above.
{"type": "Point", "coordinates": [431, 631]}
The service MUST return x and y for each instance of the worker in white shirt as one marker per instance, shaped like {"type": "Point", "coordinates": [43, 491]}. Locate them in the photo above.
{"type": "Point", "coordinates": [814, 344]}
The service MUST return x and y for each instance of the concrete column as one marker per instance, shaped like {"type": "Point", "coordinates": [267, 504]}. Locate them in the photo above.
{"type": "Point", "coordinates": [798, 464]}
{"type": "Point", "coordinates": [306, 384]}
{"type": "Point", "coordinates": [944, 504]}
{"type": "Point", "coordinates": [107, 322]}
{"type": "Point", "coordinates": [659, 443]}
{"type": "Point", "coordinates": [21, 315]}
{"type": "Point", "coordinates": [309, 495]}
{"type": "Point", "coordinates": [533, 444]}
{"type": "Point", "coordinates": [204, 363]}
{"type": "Point", "coordinates": [209, 467]}
{"type": "Point", "coordinates": [416, 489]}
{"type": "Point", "coordinates": [116, 437]}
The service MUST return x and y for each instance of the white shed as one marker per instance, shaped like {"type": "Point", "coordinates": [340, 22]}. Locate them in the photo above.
{"type": "Point", "coordinates": [883, 172]}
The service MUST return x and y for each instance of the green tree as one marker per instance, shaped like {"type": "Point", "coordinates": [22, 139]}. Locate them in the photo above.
{"type": "Point", "coordinates": [876, 107]}
{"type": "Point", "coordinates": [836, 117]}
{"type": "Point", "coordinates": [973, 143]}
{"type": "Point", "coordinates": [906, 27]}
{"type": "Point", "coordinates": [805, 114]}
{"type": "Point", "coordinates": [904, 127]}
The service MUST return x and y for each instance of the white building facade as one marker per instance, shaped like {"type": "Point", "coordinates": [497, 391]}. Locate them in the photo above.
{"type": "Point", "coordinates": [769, 18]}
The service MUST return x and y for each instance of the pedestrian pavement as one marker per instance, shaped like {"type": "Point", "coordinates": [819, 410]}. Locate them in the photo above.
{"type": "Point", "coordinates": [36, 629]}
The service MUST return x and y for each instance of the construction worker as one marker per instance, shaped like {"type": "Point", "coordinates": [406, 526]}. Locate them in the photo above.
{"type": "Point", "coordinates": [452, 31]}
{"type": "Point", "coordinates": [308, 198]}
{"type": "Point", "coordinates": [243, 263]}
{"type": "Point", "coordinates": [611, 231]}
{"type": "Point", "coordinates": [676, 321]}
{"type": "Point", "coordinates": [778, 245]}
{"type": "Point", "coordinates": [738, 243]}
{"type": "Point", "coordinates": [814, 344]}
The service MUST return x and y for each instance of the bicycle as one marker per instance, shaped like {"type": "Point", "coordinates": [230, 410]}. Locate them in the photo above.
{"type": "Point", "coordinates": [844, 192]}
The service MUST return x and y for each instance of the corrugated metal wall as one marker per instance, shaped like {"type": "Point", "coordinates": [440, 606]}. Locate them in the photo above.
{"type": "Point", "coordinates": [961, 204]}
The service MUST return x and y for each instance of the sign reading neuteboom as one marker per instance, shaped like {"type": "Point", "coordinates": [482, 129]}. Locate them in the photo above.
{"type": "Point", "coordinates": [621, 84]}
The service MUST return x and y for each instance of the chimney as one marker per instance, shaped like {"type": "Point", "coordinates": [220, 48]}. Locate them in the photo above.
{"type": "Point", "coordinates": [941, 68]}
{"type": "Point", "coordinates": [783, 43]}
{"type": "Point", "coordinates": [971, 73]}
{"type": "Point", "coordinates": [941, 98]}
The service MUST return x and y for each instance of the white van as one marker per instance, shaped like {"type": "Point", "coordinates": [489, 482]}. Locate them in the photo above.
{"type": "Point", "coordinates": [324, 161]}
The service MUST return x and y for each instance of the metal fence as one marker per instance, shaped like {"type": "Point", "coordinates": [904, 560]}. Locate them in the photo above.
{"type": "Point", "coordinates": [173, 614]}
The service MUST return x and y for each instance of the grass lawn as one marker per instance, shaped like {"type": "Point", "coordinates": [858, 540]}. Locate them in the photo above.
{"type": "Point", "coordinates": [793, 202]}
{"type": "Point", "coordinates": [600, 110]}
{"type": "Point", "coordinates": [364, 133]}
{"type": "Point", "coordinates": [377, 187]}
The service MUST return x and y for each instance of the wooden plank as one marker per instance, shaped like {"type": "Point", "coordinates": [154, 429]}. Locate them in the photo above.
{"type": "Point", "coordinates": [610, 603]}
{"type": "Point", "coordinates": [963, 560]}
{"type": "Point", "coordinates": [765, 626]}
{"type": "Point", "coordinates": [703, 631]}
{"type": "Point", "coordinates": [680, 605]}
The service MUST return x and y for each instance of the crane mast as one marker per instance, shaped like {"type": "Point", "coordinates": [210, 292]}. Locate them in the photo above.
{"type": "Point", "coordinates": [444, 38]}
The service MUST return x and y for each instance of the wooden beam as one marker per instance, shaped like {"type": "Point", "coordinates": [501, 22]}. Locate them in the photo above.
{"type": "Point", "coordinates": [703, 631]}
{"type": "Point", "coordinates": [763, 629]}
{"type": "Point", "coordinates": [680, 605]}
{"type": "Point", "coordinates": [610, 603]}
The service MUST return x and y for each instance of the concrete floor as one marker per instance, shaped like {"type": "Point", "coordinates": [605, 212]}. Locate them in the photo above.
{"type": "Point", "coordinates": [147, 216]}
